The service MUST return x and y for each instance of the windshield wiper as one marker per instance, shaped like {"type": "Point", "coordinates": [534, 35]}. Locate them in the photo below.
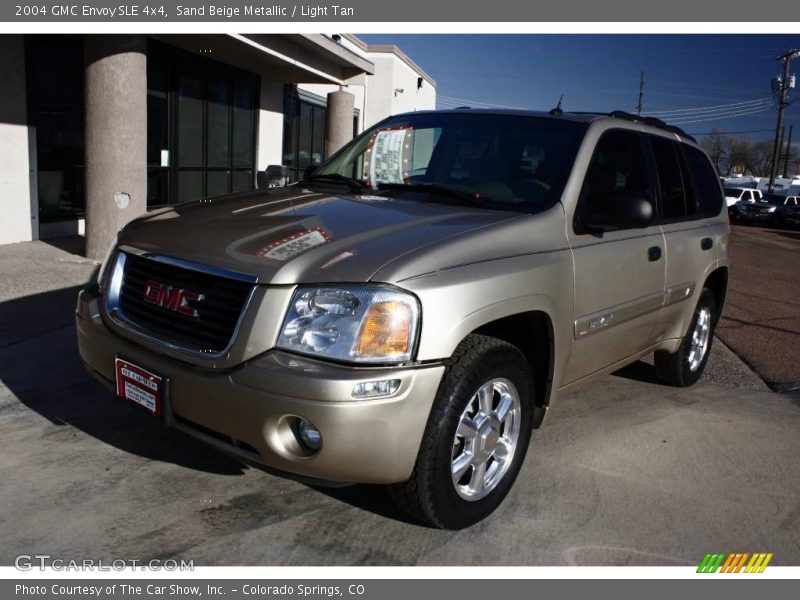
{"type": "Point", "coordinates": [436, 188]}
{"type": "Point", "coordinates": [354, 185]}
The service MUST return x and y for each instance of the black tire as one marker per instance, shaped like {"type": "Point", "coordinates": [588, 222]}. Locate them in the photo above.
{"type": "Point", "coordinates": [430, 495]}
{"type": "Point", "coordinates": [673, 368]}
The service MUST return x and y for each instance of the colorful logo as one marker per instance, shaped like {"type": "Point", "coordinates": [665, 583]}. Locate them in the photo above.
{"type": "Point", "coordinates": [737, 562]}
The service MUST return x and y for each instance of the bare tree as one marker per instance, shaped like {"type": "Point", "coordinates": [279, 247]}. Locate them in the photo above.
{"type": "Point", "coordinates": [715, 144]}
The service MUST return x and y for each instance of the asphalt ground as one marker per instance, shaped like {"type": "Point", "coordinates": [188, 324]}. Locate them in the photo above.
{"type": "Point", "coordinates": [761, 321]}
{"type": "Point", "coordinates": [624, 471]}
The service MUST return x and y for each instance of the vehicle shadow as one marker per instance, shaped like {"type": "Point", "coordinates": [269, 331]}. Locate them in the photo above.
{"type": "Point", "coordinates": [371, 498]}
{"type": "Point", "coordinates": [638, 371]}
{"type": "Point", "coordinates": [40, 365]}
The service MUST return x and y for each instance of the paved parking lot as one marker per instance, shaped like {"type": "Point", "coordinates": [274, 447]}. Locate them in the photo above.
{"type": "Point", "coordinates": [762, 315]}
{"type": "Point", "coordinates": [624, 472]}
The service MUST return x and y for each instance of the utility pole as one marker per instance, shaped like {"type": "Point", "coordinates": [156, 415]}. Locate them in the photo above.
{"type": "Point", "coordinates": [641, 93]}
{"type": "Point", "coordinates": [787, 156]}
{"type": "Point", "coordinates": [786, 59]}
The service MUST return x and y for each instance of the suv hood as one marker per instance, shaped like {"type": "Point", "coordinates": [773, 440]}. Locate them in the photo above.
{"type": "Point", "coordinates": [296, 235]}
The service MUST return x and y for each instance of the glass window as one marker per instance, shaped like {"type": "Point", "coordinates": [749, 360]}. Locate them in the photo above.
{"type": "Point", "coordinates": [673, 198]}
{"type": "Point", "coordinates": [54, 70]}
{"type": "Point", "coordinates": [304, 136]}
{"type": "Point", "coordinates": [706, 183]}
{"type": "Point", "coordinates": [618, 164]}
{"type": "Point", "coordinates": [243, 118]}
{"type": "Point", "coordinates": [190, 122]}
{"type": "Point", "coordinates": [318, 136]}
{"type": "Point", "coordinates": [218, 139]}
{"type": "Point", "coordinates": [489, 157]}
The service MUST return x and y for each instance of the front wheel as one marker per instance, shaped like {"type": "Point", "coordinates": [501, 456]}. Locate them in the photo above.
{"type": "Point", "coordinates": [684, 367]}
{"type": "Point", "coordinates": [476, 437]}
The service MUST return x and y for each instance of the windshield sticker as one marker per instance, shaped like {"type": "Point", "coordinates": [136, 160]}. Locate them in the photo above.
{"type": "Point", "coordinates": [293, 245]}
{"type": "Point", "coordinates": [386, 157]}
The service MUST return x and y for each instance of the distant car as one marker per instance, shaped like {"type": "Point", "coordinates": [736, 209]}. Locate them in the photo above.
{"type": "Point", "coordinates": [788, 213]}
{"type": "Point", "coordinates": [737, 194]}
{"type": "Point", "coordinates": [770, 210]}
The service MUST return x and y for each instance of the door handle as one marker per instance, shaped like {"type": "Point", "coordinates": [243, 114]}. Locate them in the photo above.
{"type": "Point", "coordinates": [706, 243]}
{"type": "Point", "coordinates": [653, 253]}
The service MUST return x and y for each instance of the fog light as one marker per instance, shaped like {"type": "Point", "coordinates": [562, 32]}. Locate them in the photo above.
{"type": "Point", "coordinates": [309, 435]}
{"type": "Point", "coordinates": [376, 389]}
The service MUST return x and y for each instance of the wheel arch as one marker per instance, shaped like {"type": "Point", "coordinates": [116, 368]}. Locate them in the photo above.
{"type": "Point", "coordinates": [532, 333]}
{"type": "Point", "coordinates": [717, 282]}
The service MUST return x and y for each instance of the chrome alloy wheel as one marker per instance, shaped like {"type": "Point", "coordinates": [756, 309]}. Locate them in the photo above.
{"type": "Point", "coordinates": [486, 439]}
{"type": "Point", "coordinates": [698, 345]}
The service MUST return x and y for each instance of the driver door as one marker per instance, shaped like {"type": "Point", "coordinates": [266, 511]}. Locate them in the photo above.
{"type": "Point", "coordinates": [619, 274]}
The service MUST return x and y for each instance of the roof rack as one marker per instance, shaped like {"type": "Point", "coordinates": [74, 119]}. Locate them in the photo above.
{"type": "Point", "coordinates": [651, 121]}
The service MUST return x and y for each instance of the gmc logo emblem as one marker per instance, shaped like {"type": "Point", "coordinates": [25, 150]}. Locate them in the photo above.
{"type": "Point", "coordinates": [174, 299]}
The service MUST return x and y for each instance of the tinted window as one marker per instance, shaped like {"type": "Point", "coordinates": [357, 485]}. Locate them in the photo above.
{"type": "Point", "coordinates": [775, 199]}
{"type": "Point", "coordinates": [706, 184]}
{"type": "Point", "coordinates": [670, 180]}
{"type": "Point", "coordinates": [504, 162]}
{"type": "Point", "coordinates": [618, 164]}
{"type": "Point", "coordinates": [733, 193]}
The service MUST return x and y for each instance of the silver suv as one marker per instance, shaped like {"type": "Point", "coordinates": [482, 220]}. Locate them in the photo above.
{"type": "Point", "coordinates": [407, 314]}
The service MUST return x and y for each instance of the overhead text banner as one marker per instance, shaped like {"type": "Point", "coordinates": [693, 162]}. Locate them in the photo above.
{"type": "Point", "coordinates": [470, 589]}
{"type": "Point", "coordinates": [39, 11]}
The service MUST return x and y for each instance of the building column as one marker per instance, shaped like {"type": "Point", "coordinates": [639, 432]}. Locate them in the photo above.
{"type": "Point", "coordinates": [116, 136]}
{"type": "Point", "coordinates": [338, 121]}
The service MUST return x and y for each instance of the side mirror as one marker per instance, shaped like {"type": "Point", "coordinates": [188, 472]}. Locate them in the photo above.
{"type": "Point", "coordinates": [618, 210]}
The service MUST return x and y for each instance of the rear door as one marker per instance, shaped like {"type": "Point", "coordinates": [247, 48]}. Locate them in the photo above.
{"type": "Point", "coordinates": [690, 200]}
{"type": "Point", "coordinates": [619, 275]}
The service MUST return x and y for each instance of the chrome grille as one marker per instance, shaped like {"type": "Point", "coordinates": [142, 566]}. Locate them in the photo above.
{"type": "Point", "coordinates": [216, 314]}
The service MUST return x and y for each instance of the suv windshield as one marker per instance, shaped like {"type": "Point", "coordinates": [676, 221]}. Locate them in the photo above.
{"type": "Point", "coordinates": [733, 192]}
{"type": "Point", "coordinates": [512, 162]}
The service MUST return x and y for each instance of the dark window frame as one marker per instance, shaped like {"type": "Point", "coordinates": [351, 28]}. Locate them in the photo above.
{"type": "Point", "coordinates": [577, 227]}
{"type": "Point", "coordinates": [685, 172]}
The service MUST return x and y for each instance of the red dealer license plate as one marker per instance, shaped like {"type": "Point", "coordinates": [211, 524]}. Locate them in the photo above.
{"type": "Point", "coordinates": [139, 386]}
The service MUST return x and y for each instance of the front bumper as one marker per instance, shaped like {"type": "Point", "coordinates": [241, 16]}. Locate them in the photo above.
{"type": "Point", "coordinates": [244, 411]}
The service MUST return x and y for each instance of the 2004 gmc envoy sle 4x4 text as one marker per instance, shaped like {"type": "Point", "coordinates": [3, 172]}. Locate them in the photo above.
{"type": "Point", "coordinates": [407, 313]}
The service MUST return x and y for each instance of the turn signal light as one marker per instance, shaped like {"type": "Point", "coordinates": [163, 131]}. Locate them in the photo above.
{"type": "Point", "coordinates": [386, 330]}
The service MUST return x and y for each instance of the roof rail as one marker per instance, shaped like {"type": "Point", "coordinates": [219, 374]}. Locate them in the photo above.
{"type": "Point", "coordinates": [652, 121]}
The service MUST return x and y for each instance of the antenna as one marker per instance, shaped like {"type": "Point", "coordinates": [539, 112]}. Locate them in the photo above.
{"type": "Point", "coordinates": [557, 110]}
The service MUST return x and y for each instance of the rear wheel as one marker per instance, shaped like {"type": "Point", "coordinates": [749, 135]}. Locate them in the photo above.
{"type": "Point", "coordinates": [476, 438]}
{"type": "Point", "coordinates": [684, 367]}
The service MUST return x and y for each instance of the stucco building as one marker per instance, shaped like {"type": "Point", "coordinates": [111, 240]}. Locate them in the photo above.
{"type": "Point", "coordinates": [94, 130]}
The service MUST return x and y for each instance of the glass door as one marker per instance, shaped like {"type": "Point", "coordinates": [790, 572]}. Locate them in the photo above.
{"type": "Point", "coordinates": [201, 126]}
{"type": "Point", "coordinates": [215, 133]}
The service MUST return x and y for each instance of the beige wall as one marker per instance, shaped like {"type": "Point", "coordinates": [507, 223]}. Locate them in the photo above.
{"type": "Point", "coordinates": [16, 224]}
{"type": "Point", "coordinates": [392, 74]}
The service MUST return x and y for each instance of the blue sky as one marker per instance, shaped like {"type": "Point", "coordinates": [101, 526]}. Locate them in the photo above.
{"type": "Point", "coordinates": [726, 78]}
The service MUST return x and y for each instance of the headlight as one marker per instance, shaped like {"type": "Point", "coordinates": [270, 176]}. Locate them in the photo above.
{"type": "Point", "coordinates": [371, 324]}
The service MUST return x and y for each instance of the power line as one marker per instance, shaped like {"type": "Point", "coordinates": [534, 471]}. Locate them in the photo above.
{"type": "Point", "coordinates": [723, 116]}
{"type": "Point", "coordinates": [730, 132]}
{"type": "Point", "coordinates": [711, 108]}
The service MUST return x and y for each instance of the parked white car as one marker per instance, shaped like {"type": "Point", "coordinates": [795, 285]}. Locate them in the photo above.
{"type": "Point", "coordinates": [739, 194]}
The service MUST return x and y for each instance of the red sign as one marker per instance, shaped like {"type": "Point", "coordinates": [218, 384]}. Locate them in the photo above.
{"type": "Point", "coordinates": [138, 385]}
